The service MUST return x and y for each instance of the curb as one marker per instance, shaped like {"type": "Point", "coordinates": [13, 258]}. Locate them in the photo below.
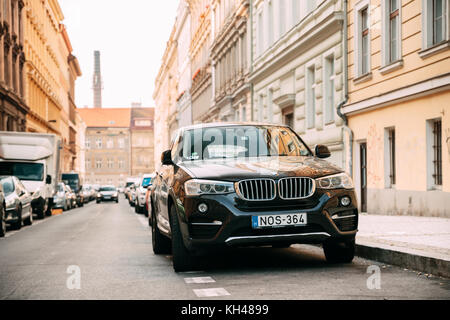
{"type": "Point", "coordinates": [429, 265]}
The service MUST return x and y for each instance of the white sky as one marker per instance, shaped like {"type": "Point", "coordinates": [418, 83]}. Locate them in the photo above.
{"type": "Point", "coordinates": [131, 36]}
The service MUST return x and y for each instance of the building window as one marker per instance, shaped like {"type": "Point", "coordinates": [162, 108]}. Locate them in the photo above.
{"type": "Point", "coordinates": [260, 28]}
{"type": "Point", "coordinates": [434, 154]}
{"type": "Point", "coordinates": [270, 28]}
{"type": "Point", "coordinates": [437, 152]}
{"type": "Point", "coordinates": [329, 89]}
{"type": "Point", "coordinates": [142, 123]}
{"type": "Point", "coordinates": [288, 116]}
{"type": "Point", "coordinates": [390, 157]}
{"type": "Point", "coordinates": [244, 114]}
{"type": "Point", "coordinates": [394, 22]}
{"type": "Point", "coordinates": [110, 163]}
{"type": "Point", "coordinates": [311, 97]}
{"type": "Point", "coordinates": [87, 144]}
{"type": "Point", "coordinates": [121, 164]}
{"type": "Point", "coordinates": [364, 34]}
{"type": "Point", "coordinates": [98, 143]}
{"type": "Point", "coordinates": [260, 108]}
{"type": "Point", "coordinates": [435, 22]}
{"type": "Point", "coordinates": [88, 164]}
{"type": "Point", "coordinates": [98, 164]}
{"type": "Point", "coordinates": [121, 142]}
{"type": "Point", "coordinates": [110, 143]}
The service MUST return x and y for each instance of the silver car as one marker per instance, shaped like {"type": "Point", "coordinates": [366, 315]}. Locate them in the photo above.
{"type": "Point", "coordinates": [17, 201]}
{"type": "Point", "coordinates": [62, 199]}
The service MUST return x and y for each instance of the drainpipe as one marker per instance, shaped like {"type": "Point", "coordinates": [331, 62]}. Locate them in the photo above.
{"type": "Point", "coordinates": [252, 92]}
{"type": "Point", "coordinates": [339, 108]}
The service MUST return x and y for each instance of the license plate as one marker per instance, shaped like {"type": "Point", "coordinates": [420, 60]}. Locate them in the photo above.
{"type": "Point", "coordinates": [107, 197]}
{"type": "Point", "coordinates": [279, 220]}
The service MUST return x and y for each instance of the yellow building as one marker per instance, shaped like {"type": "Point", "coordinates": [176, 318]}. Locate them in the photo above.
{"type": "Point", "coordinates": [398, 105]}
{"type": "Point", "coordinates": [50, 74]}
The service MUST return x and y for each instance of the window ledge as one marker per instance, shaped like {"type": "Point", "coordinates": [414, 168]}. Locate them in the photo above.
{"type": "Point", "coordinates": [363, 78]}
{"type": "Point", "coordinates": [391, 67]}
{"type": "Point", "coordinates": [435, 49]}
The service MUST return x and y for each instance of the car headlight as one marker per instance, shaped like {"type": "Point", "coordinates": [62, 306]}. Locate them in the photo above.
{"type": "Point", "coordinates": [36, 194]}
{"type": "Point", "coordinates": [197, 187]}
{"type": "Point", "coordinates": [337, 181]}
{"type": "Point", "coordinates": [115, 194]}
{"type": "Point", "coordinates": [9, 203]}
{"type": "Point", "coordinates": [98, 195]}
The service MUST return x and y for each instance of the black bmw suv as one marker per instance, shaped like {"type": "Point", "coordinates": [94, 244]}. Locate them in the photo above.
{"type": "Point", "coordinates": [234, 184]}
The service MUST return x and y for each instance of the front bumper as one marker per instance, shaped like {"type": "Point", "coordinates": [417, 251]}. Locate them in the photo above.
{"type": "Point", "coordinates": [228, 221]}
{"type": "Point", "coordinates": [107, 198]}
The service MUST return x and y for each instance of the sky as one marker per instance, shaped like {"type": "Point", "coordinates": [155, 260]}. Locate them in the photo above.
{"type": "Point", "coordinates": [131, 36]}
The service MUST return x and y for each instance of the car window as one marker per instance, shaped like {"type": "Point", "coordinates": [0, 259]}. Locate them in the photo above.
{"type": "Point", "coordinates": [8, 186]}
{"type": "Point", "coordinates": [241, 142]}
{"type": "Point", "coordinates": [146, 182]}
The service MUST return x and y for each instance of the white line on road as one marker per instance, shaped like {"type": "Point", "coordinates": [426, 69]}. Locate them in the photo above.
{"type": "Point", "coordinates": [199, 280]}
{"type": "Point", "coordinates": [211, 292]}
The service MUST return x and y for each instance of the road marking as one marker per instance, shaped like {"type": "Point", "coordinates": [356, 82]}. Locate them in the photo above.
{"type": "Point", "coordinates": [199, 280]}
{"type": "Point", "coordinates": [211, 292]}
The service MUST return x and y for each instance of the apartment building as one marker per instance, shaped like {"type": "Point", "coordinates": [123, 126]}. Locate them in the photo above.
{"type": "Point", "coordinates": [297, 70]}
{"type": "Point", "coordinates": [107, 145]}
{"type": "Point", "coordinates": [142, 140]}
{"type": "Point", "coordinates": [399, 105]}
{"type": "Point", "coordinates": [13, 108]}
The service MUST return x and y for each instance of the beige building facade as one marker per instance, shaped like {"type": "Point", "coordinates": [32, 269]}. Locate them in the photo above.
{"type": "Point", "coordinates": [13, 108]}
{"type": "Point", "coordinates": [165, 96]}
{"type": "Point", "coordinates": [142, 141]}
{"type": "Point", "coordinates": [399, 105]}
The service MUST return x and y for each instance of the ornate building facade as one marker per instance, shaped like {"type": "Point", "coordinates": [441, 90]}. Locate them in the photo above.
{"type": "Point", "coordinates": [13, 108]}
{"type": "Point", "coordinates": [201, 87]}
{"type": "Point", "coordinates": [230, 56]}
{"type": "Point", "coordinates": [297, 70]}
{"type": "Point", "coordinates": [165, 95]}
{"type": "Point", "coordinates": [142, 140]}
{"type": "Point", "coordinates": [50, 73]}
{"type": "Point", "coordinates": [399, 105]}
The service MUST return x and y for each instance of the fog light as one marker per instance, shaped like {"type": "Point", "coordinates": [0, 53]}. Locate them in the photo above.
{"type": "Point", "coordinates": [345, 201]}
{"type": "Point", "coordinates": [202, 207]}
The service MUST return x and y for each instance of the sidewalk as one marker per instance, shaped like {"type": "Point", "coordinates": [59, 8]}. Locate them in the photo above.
{"type": "Point", "coordinates": [417, 243]}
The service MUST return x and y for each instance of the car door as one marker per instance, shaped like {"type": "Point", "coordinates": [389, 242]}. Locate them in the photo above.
{"type": "Point", "coordinates": [24, 197]}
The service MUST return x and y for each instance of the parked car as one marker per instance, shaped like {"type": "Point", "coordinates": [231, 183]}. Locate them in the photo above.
{"type": "Point", "coordinates": [249, 184]}
{"type": "Point", "coordinates": [73, 180]}
{"type": "Point", "coordinates": [141, 190]}
{"type": "Point", "coordinates": [148, 205]}
{"type": "Point", "coordinates": [72, 197]}
{"type": "Point", "coordinates": [132, 195]}
{"type": "Point", "coordinates": [107, 193]}
{"type": "Point", "coordinates": [62, 198]}
{"type": "Point", "coordinates": [2, 213]}
{"type": "Point", "coordinates": [17, 201]}
{"type": "Point", "coordinates": [88, 193]}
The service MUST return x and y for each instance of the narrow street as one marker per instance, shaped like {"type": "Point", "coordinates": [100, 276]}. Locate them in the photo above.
{"type": "Point", "coordinates": [111, 246]}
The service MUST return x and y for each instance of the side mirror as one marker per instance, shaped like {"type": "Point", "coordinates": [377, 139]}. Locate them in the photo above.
{"type": "Point", "coordinates": [48, 179]}
{"type": "Point", "coordinates": [166, 158]}
{"type": "Point", "coordinates": [322, 151]}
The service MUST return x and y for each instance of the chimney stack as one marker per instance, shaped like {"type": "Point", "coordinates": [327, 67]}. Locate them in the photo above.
{"type": "Point", "coordinates": [97, 85]}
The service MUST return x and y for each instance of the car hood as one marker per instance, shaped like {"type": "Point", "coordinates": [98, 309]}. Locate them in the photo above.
{"type": "Point", "coordinates": [107, 193]}
{"type": "Point", "coordinates": [261, 167]}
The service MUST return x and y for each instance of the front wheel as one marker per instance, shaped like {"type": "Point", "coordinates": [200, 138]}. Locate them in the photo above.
{"type": "Point", "coordinates": [18, 224]}
{"type": "Point", "coordinates": [339, 252]}
{"type": "Point", "coordinates": [183, 260]}
{"type": "Point", "coordinates": [160, 243]}
{"type": "Point", "coordinates": [29, 221]}
{"type": "Point", "coordinates": [3, 221]}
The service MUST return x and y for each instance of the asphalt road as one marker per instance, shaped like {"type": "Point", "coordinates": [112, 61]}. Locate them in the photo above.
{"type": "Point", "coordinates": [103, 251]}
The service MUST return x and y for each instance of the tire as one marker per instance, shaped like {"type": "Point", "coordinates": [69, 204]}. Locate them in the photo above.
{"type": "Point", "coordinates": [3, 221]}
{"type": "Point", "coordinates": [47, 209]}
{"type": "Point", "coordinates": [136, 208]}
{"type": "Point", "coordinates": [160, 243]}
{"type": "Point", "coordinates": [183, 260]}
{"type": "Point", "coordinates": [18, 224]}
{"type": "Point", "coordinates": [339, 252]}
{"type": "Point", "coordinates": [29, 221]}
{"type": "Point", "coordinates": [41, 212]}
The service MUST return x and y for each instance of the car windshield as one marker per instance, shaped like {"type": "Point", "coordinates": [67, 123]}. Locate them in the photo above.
{"type": "Point", "coordinates": [146, 182]}
{"type": "Point", "coordinates": [107, 189]}
{"type": "Point", "coordinates": [23, 171]}
{"type": "Point", "coordinates": [60, 188]}
{"type": "Point", "coordinates": [8, 185]}
{"type": "Point", "coordinates": [71, 179]}
{"type": "Point", "coordinates": [239, 142]}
